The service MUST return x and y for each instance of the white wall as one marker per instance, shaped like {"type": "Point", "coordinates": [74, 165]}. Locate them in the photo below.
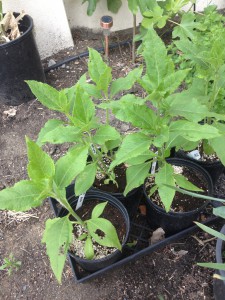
{"type": "Point", "coordinates": [54, 18]}
{"type": "Point", "coordinates": [77, 15]}
{"type": "Point", "coordinates": [51, 28]}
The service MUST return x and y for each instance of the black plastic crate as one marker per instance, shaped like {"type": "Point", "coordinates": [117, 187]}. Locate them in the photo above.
{"type": "Point", "coordinates": [140, 232]}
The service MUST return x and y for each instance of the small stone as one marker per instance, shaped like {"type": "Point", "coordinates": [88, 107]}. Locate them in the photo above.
{"type": "Point", "coordinates": [125, 127]}
{"type": "Point", "coordinates": [63, 66]}
{"type": "Point", "coordinates": [51, 62]}
{"type": "Point", "coordinates": [24, 288]}
{"type": "Point", "coordinates": [67, 67]}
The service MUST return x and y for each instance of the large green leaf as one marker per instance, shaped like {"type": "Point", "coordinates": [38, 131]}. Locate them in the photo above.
{"type": "Point", "coordinates": [58, 237]}
{"type": "Point", "coordinates": [216, 266]}
{"type": "Point", "coordinates": [82, 107]}
{"type": "Point", "coordinates": [99, 71]}
{"type": "Point", "coordinates": [40, 166]}
{"type": "Point", "coordinates": [126, 83]}
{"type": "Point", "coordinates": [157, 62]}
{"type": "Point", "coordinates": [194, 131]}
{"type": "Point", "coordinates": [49, 126]}
{"type": "Point", "coordinates": [88, 248]}
{"type": "Point", "coordinates": [91, 6]}
{"type": "Point", "coordinates": [85, 179]}
{"type": "Point", "coordinates": [110, 237]}
{"type": "Point", "coordinates": [105, 133]}
{"type": "Point", "coordinates": [185, 106]}
{"type": "Point", "coordinates": [22, 196]}
{"type": "Point", "coordinates": [136, 176]}
{"type": "Point", "coordinates": [173, 80]}
{"type": "Point", "coordinates": [133, 145]}
{"type": "Point", "coordinates": [70, 165]}
{"type": "Point", "coordinates": [154, 17]}
{"type": "Point", "coordinates": [165, 177]}
{"type": "Point", "coordinates": [48, 96]}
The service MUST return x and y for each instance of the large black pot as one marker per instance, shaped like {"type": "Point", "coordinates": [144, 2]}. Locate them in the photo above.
{"type": "Point", "coordinates": [97, 264]}
{"type": "Point", "coordinates": [173, 222]}
{"type": "Point", "coordinates": [219, 285]}
{"type": "Point", "coordinates": [19, 61]}
{"type": "Point", "coordinates": [215, 169]}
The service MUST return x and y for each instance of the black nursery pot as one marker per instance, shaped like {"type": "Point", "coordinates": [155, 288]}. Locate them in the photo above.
{"type": "Point", "coordinates": [97, 264]}
{"type": "Point", "coordinates": [19, 61]}
{"type": "Point", "coordinates": [173, 222]}
{"type": "Point", "coordinates": [215, 169]}
{"type": "Point", "coordinates": [218, 284]}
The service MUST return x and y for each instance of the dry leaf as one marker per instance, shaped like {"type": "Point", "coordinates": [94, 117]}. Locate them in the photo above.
{"type": "Point", "coordinates": [157, 235]}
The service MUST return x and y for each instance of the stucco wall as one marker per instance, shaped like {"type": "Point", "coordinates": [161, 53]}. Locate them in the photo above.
{"type": "Point", "coordinates": [51, 28]}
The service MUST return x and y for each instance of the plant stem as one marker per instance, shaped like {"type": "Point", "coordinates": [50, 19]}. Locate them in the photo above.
{"type": "Point", "coordinates": [134, 44]}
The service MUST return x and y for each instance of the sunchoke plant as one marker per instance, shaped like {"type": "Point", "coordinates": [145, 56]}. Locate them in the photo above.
{"type": "Point", "coordinates": [199, 42]}
{"type": "Point", "coordinates": [166, 118]}
{"type": "Point", "coordinates": [90, 143]}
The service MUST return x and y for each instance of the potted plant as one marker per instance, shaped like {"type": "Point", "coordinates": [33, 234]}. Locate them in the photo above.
{"type": "Point", "coordinates": [83, 128]}
{"type": "Point", "coordinates": [170, 119]}
{"type": "Point", "coordinates": [49, 179]}
{"type": "Point", "coordinates": [19, 58]}
{"type": "Point", "coordinates": [199, 47]}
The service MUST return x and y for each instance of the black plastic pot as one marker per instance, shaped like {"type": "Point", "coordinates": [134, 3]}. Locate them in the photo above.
{"type": "Point", "coordinates": [97, 264]}
{"type": "Point", "coordinates": [219, 285]}
{"type": "Point", "coordinates": [215, 169]}
{"type": "Point", "coordinates": [19, 61]}
{"type": "Point", "coordinates": [173, 222]}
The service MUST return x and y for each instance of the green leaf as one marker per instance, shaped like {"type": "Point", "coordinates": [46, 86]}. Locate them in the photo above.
{"type": "Point", "coordinates": [193, 131]}
{"type": "Point", "coordinates": [174, 80]}
{"type": "Point", "coordinates": [48, 127]}
{"type": "Point", "coordinates": [98, 210]}
{"type": "Point", "coordinates": [70, 165]}
{"type": "Point", "coordinates": [126, 83]}
{"type": "Point", "coordinates": [40, 166]}
{"type": "Point", "coordinates": [216, 266]}
{"type": "Point", "coordinates": [183, 182]}
{"type": "Point", "coordinates": [162, 177]}
{"type": "Point", "coordinates": [91, 6]}
{"type": "Point", "coordinates": [218, 144]}
{"type": "Point", "coordinates": [114, 5]}
{"type": "Point", "coordinates": [158, 64]}
{"type": "Point", "coordinates": [105, 133]}
{"type": "Point", "coordinates": [57, 237]}
{"type": "Point", "coordinates": [62, 134]}
{"type": "Point", "coordinates": [132, 146]}
{"type": "Point", "coordinates": [99, 71]}
{"type": "Point", "coordinates": [154, 17]}
{"type": "Point", "coordinates": [23, 196]}
{"type": "Point", "coordinates": [48, 96]}
{"type": "Point", "coordinates": [141, 158]}
{"type": "Point", "coordinates": [186, 26]}
{"type": "Point", "coordinates": [211, 231]}
{"type": "Point", "coordinates": [133, 6]}
{"type": "Point", "coordinates": [85, 179]}
{"type": "Point", "coordinates": [110, 237]}
{"type": "Point", "coordinates": [82, 107]}
{"type": "Point", "coordinates": [185, 106]}
{"type": "Point", "coordinates": [136, 176]}
{"type": "Point", "coordinates": [88, 249]}
{"type": "Point", "coordinates": [219, 211]}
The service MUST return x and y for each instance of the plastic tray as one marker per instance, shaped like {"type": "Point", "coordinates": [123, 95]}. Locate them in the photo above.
{"type": "Point", "coordinates": [140, 232]}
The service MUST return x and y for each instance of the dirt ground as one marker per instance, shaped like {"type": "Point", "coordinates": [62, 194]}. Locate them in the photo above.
{"type": "Point", "coordinates": [161, 275]}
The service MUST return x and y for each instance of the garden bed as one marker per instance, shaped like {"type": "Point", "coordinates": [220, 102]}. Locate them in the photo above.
{"type": "Point", "coordinates": [161, 273]}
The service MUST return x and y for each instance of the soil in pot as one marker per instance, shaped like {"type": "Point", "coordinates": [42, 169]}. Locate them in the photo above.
{"type": "Point", "coordinates": [115, 212]}
{"type": "Point", "coordinates": [210, 163]}
{"type": "Point", "coordinates": [185, 209]}
{"type": "Point", "coordinates": [131, 200]}
{"type": "Point", "coordinates": [110, 213]}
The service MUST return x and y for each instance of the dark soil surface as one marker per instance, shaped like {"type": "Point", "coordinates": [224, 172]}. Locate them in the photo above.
{"type": "Point", "coordinates": [164, 274]}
